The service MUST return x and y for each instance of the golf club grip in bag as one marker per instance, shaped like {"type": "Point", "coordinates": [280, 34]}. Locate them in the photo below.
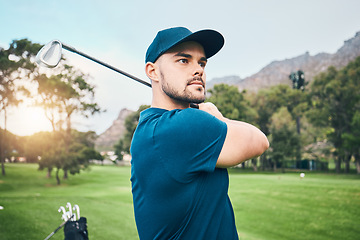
{"type": "Point", "coordinates": [76, 230]}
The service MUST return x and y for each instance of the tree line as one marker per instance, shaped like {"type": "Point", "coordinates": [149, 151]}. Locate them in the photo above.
{"type": "Point", "coordinates": [319, 121]}
{"type": "Point", "coordinates": [62, 93]}
{"type": "Point", "coordinates": [316, 121]}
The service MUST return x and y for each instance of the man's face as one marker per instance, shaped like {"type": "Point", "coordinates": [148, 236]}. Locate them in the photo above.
{"type": "Point", "coordinates": [182, 75]}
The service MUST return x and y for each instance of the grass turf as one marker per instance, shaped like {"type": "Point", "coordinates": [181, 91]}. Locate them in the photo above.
{"type": "Point", "coordinates": [267, 205]}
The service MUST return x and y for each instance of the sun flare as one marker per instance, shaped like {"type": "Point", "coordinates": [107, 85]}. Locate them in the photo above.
{"type": "Point", "coordinates": [24, 121]}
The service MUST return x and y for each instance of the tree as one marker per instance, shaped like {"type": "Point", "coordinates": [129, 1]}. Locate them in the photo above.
{"type": "Point", "coordinates": [270, 101]}
{"type": "Point", "coordinates": [70, 156]}
{"type": "Point", "coordinates": [335, 96]}
{"type": "Point", "coordinates": [352, 140]}
{"type": "Point", "coordinates": [54, 156]}
{"type": "Point", "coordinates": [266, 103]}
{"type": "Point", "coordinates": [15, 64]}
{"type": "Point", "coordinates": [36, 145]}
{"type": "Point", "coordinates": [230, 102]}
{"type": "Point", "coordinates": [285, 141]}
{"type": "Point", "coordinates": [62, 95]}
{"type": "Point", "coordinates": [13, 145]}
{"type": "Point", "coordinates": [81, 150]}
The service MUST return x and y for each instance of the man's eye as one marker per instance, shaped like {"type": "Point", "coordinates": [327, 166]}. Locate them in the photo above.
{"type": "Point", "coordinates": [183, 61]}
{"type": "Point", "coordinates": [202, 64]}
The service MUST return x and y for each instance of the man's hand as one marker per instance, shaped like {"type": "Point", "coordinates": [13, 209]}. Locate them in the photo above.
{"type": "Point", "coordinates": [211, 109]}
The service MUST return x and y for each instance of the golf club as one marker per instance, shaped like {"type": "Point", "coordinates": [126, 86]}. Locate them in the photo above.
{"type": "Point", "coordinates": [68, 205]}
{"type": "Point", "coordinates": [57, 229]}
{"type": "Point", "coordinates": [64, 215]}
{"type": "Point", "coordinates": [77, 208]}
{"type": "Point", "coordinates": [50, 56]}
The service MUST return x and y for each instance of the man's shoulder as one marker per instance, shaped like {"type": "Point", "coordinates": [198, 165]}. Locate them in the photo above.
{"type": "Point", "coordinates": [179, 120]}
{"type": "Point", "coordinates": [152, 112]}
{"type": "Point", "coordinates": [175, 113]}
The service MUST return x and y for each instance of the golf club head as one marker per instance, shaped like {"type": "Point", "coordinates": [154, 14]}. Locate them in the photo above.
{"type": "Point", "coordinates": [50, 54]}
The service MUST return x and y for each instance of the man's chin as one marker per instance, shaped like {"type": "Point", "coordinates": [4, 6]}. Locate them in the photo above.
{"type": "Point", "coordinates": [197, 101]}
{"type": "Point", "coordinates": [196, 98]}
{"type": "Point", "coordinates": [186, 97]}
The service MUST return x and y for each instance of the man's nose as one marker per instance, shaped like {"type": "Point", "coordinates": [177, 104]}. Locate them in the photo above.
{"type": "Point", "coordinates": [198, 70]}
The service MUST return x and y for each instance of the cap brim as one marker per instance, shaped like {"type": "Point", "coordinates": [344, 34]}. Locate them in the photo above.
{"type": "Point", "coordinates": [212, 41]}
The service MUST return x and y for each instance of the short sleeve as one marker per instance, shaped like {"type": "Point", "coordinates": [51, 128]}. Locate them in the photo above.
{"type": "Point", "coordinates": [189, 142]}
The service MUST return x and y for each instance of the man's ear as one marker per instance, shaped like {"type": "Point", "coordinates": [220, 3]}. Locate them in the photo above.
{"type": "Point", "coordinates": [151, 71]}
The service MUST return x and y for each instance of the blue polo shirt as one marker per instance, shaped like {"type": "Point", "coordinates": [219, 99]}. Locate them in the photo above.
{"type": "Point", "coordinates": [178, 193]}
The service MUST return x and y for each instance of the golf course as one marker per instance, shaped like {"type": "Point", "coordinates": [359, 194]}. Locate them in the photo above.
{"type": "Point", "coordinates": [268, 206]}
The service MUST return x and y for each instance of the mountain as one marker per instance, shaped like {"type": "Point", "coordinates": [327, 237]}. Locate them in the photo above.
{"type": "Point", "coordinates": [278, 72]}
{"type": "Point", "coordinates": [111, 136]}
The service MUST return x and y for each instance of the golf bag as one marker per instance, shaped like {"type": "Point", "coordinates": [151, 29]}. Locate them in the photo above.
{"type": "Point", "coordinates": [76, 230]}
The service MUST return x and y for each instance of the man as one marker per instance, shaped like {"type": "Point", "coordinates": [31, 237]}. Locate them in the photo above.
{"type": "Point", "coordinates": [180, 154]}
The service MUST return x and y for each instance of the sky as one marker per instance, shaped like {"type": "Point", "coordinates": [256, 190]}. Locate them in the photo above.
{"type": "Point", "coordinates": [256, 33]}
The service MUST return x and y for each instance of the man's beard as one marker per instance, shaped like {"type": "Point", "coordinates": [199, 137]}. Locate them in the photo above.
{"type": "Point", "coordinates": [184, 96]}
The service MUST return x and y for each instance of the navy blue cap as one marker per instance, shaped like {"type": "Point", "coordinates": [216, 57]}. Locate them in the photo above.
{"type": "Point", "coordinates": [212, 41]}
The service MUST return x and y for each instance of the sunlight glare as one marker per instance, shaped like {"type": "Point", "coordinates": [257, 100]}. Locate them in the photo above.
{"type": "Point", "coordinates": [24, 121]}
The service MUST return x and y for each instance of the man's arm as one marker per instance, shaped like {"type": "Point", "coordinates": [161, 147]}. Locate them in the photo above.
{"type": "Point", "coordinates": [243, 141]}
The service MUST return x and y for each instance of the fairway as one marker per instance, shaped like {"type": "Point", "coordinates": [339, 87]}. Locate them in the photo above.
{"type": "Point", "coordinates": [283, 206]}
{"type": "Point", "coordinates": [267, 205]}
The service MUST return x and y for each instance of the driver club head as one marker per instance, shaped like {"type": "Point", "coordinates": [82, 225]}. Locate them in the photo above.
{"type": "Point", "coordinates": [50, 54]}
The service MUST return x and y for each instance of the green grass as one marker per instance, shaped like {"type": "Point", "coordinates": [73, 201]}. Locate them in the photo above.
{"type": "Point", "coordinates": [283, 206]}
{"type": "Point", "coordinates": [31, 201]}
{"type": "Point", "coordinates": [267, 205]}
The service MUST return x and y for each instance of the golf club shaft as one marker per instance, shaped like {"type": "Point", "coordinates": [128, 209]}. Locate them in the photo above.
{"type": "Point", "coordinates": [57, 229]}
{"type": "Point", "coordinates": [71, 49]}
